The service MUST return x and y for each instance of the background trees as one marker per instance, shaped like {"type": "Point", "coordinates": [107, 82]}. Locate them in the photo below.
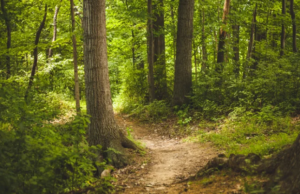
{"type": "Point", "coordinates": [160, 53]}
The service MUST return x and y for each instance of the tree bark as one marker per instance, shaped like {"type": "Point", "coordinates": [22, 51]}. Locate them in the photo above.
{"type": "Point", "coordinates": [35, 53]}
{"type": "Point", "coordinates": [54, 29]}
{"type": "Point", "coordinates": [222, 37]}
{"type": "Point", "coordinates": [103, 129]}
{"type": "Point", "coordinates": [183, 64]}
{"type": "Point", "coordinates": [160, 78]}
{"type": "Point", "coordinates": [8, 43]}
{"type": "Point", "coordinates": [150, 53]}
{"type": "Point", "coordinates": [283, 28]}
{"type": "Point", "coordinates": [75, 61]}
{"type": "Point", "coordinates": [293, 16]}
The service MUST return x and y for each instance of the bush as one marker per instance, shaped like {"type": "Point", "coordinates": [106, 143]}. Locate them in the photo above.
{"type": "Point", "coordinates": [40, 157]}
{"type": "Point", "coordinates": [155, 111]}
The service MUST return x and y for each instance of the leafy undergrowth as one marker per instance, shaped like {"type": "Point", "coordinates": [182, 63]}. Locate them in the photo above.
{"type": "Point", "coordinates": [249, 133]}
{"type": "Point", "coordinates": [39, 152]}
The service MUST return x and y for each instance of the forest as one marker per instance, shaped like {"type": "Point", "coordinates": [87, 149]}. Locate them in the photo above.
{"type": "Point", "coordinates": [152, 96]}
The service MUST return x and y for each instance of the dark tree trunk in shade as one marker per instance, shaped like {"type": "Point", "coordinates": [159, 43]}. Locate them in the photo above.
{"type": "Point", "coordinates": [283, 29]}
{"type": "Point", "coordinates": [54, 29]}
{"type": "Point", "coordinates": [150, 53]}
{"type": "Point", "coordinates": [75, 61]}
{"type": "Point", "coordinates": [236, 49]}
{"type": "Point", "coordinates": [35, 53]}
{"type": "Point", "coordinates": [293, 16]}
{"type": "Point", "coordinates": [222, 38]}
{"type": "Point", "coordinates": [160, 76]}
{"type": "Point", "coordinates": [183, 64]}
{"type": "Point", "coordinates": [103, 129]}
{"type": "Point", "coordinates": [8, 43]}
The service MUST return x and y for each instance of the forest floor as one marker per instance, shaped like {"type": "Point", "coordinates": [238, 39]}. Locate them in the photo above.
{"type": "Point", "coordinates": [168, 162]}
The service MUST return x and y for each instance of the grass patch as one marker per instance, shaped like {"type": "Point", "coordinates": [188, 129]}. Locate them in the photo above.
{"type": "Point", "coordinates": [249, 135]}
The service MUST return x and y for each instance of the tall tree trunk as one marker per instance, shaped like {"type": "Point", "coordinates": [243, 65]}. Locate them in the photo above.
{"type": "Point", "coordinates": [103, 129]}
{"type": "Point", "coordinates": [293, 16]}
{"type": "Point", "coordinates": [204, 51]}
{"type": "Point", "coordinates": [150, 53]}
{"type": "Point", "coordinates": [76, 79]}
{"type": "Point", "coordinates": [174, 29]}
{"type": "Point", "coordinates": [183, 64]}
{"type": "Point", "coordinates": [251, 43]}
{"type": "Point", "coordinates": [236, 49]}
{"type": "Point", "coordinates": [54, 29]}
{"type": "Point", "coordinates": [133, 49]}
{"type": "Point", "coordinates": [160, 78]}
{"type": "Point", "coordinates": [8, 43]}
{"type": "Point", "coordinates": [283, 28]}
{"type": "Point", "coordinates": [222, 37]}
{"type": "Point", "coordinates": [35, 52]}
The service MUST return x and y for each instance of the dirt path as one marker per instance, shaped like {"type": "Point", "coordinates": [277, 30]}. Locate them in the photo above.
{"type": "Point", "coordinates": [167, 162]}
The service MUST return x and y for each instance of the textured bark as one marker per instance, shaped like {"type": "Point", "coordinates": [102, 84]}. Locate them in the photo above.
{"type": "Point", "coordinates": [160, 78]}
{"type": "Point", "coordinates": [150, 53]}
{"type": "Point", "coordinates": [35, 52]}
{"type": "Point", "coordinates": [75, 61]}
{"type": "Point", "coordinates": [103, 129]}
{"type": "Point", "coordinates": [54, 29]}
{"type": "Point", "coordinates": [8, 43]}
{"type": "Point", "coordinates": [222, 37]}
{"type": "Point", "coordinates": [183, 64]}
{"type": "Point", "coordinates": [293, 16]}
{"type": "Point", "coordinates": [283, 29]}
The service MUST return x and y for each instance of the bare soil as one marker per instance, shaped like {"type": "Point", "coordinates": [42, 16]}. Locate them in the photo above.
{"type": "Point", "coordinates": [167, 163]}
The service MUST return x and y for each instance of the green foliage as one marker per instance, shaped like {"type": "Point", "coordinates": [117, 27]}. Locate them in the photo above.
{"type": "Point", "coordinates": [250, 133]}
{"type": "Point", "coordinates": [153, 112]}
{"type": "Point", "coordinates": [38, 156]}
{"type": "Point", "coordinates": [183, 116]}
{"type": "Point", "coordinates": [253, 188]}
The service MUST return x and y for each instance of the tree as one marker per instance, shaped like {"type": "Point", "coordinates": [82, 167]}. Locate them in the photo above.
{"type": "Point", "coordinates": [283, 29]}
{"type": "Point", "coordinates": [204, 51]}
{"type": "Point", "coordinates": [54, 28]}
{"type": "Point", "coordinates": [160, 79]}
{"type": "Point", "coordinates": [76, 87]}
{"type": "Point", "coordinates": [150, 53]}
{"type": "Point", "coordinates": [183, 63]}
{"type": "Point", "coordinates": [103, 129]}
{"type": "Point", "coordinates": [222, 36]}
{"type": "Point", "coordinates": [251, 42]}
{"type": "Point", "coordinates": [35, 52]}
{"type": "Point", "coordinates": [236, 42]}
{"type": "Point", "coordinates": [8, 43]}
{"type": "Point", "coordinates": [293, 16]}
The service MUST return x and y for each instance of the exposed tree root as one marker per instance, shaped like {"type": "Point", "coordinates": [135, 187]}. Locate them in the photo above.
{"type": "Point", "coordinates": [283, 168]}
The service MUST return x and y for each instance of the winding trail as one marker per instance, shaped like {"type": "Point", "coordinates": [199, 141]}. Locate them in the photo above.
{"type": "Point", "coordinates": [167, 162]}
